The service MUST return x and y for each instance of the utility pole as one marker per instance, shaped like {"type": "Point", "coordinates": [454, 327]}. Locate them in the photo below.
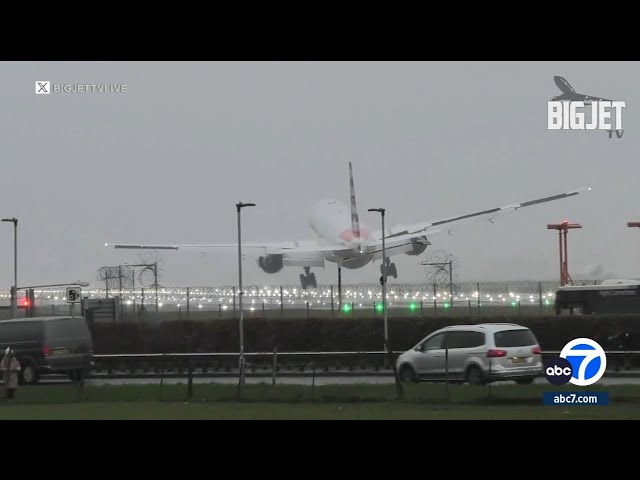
{"type": "Point", "coordinates": [340, 290]}
{"type": "Point", "coordinates": [383, 279]}
{"type": "Point", "coordinates": [155, 282]}
{"type": "Point", "coordinates": [239, 207]}
{"type": "Point", "coordinates": [14, 290]}
{"type": "Point", "coordinates": [451, 284]}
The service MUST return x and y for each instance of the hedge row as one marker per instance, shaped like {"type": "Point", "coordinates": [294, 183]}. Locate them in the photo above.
{"type": "Point", "coordinates": [289, 335]}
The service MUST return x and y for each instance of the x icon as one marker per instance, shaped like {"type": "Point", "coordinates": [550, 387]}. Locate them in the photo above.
{"type": "Point", "coordinates": [42, 88]}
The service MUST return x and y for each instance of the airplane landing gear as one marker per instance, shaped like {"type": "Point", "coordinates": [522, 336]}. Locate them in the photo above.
{"type": "Point", "coordinates": [390, 269]}
{"type": "Point", "coordinates": [308, 279]}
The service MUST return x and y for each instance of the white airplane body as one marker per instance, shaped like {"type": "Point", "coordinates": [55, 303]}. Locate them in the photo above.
{"type": "Point", "coordinates": [341, 239]}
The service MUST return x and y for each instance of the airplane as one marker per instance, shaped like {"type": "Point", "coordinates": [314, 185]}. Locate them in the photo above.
{"type": "Point", "coordinates": [342, 239]}
{"type": "Point", "coordinates": [568, 93]}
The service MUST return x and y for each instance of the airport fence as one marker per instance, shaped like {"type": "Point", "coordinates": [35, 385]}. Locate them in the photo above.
{"type": "Point", "coordinates": [356, 301]}
{"type": "Point", "coordinates": [271, 366]}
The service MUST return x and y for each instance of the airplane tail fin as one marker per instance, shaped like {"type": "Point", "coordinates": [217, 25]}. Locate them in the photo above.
{"type": "Point", "coordinates": [355, 220]}
{"type": "Point", "coordinates": [563, 85]}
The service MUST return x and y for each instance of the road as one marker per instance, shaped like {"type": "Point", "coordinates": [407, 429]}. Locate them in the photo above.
{"type": "Point", "coordinates": [623, 377]}
{"type": "Point", "coordinates": [378, 380]}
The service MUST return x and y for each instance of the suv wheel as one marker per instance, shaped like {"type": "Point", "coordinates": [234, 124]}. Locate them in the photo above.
{"type": "Point", "coordinates": [407, 374]}
{"type": "Point", "coordinates": [28, 374]}
{"type": "Point", "coordinates": [475, 376]}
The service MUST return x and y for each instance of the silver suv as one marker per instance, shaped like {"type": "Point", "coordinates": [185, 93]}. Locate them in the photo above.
{"type": "Point", "coordinates": [476, 354]}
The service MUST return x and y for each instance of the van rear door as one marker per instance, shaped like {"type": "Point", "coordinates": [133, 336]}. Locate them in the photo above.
{"type": "Point", "coordinates": [67, 343]}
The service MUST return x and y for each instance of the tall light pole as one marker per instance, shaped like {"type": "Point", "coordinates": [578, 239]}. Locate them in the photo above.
{"type": "Point", "coordinates": [383, 279]}
{"type": "Point", "coordinates": [383, 282]}
{"type": "Point", "coordinates": [14, 293]}
{"type": "Point", "coordinates": [240, 206]}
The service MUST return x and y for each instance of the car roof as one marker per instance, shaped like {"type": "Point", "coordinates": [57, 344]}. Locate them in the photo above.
{"type": "Point", "coordinates": [484, 327]}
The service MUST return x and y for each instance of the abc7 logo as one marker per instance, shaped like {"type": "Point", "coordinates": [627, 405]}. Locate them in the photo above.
{"type": "Point", "coordinates": [581, 362]}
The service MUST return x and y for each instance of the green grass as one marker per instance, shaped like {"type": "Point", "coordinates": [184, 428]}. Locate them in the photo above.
{"type": "Point", "coordinates": [220, 401]}
{"type": "Point", "coordinates": [306, 411]}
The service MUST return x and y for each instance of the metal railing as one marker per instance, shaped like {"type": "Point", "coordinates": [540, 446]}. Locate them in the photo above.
{"type": "Point", "coordinates": [203, 364]}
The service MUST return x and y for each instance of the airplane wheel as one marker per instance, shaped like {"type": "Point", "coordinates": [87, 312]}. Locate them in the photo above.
{"type": "Point", "coordinates": [311, 281]}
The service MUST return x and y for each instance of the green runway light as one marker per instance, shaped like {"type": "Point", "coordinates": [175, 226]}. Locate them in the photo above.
{"type": "Point", "coordinates": [346, 308]}
{"type": "Point", "coordinates": [546, 302]}
{"type": "Point", "coordinates": [379, 307]}
{"type": "Point", "coordinates": [446, 305]}
{"type": "Point", "coordinates": [514, 304]}
{"type": "Point", "coordinates": [412, 306]}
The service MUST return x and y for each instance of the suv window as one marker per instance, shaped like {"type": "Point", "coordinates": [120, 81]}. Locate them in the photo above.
{"type": "Point", "coordinates": [515, 338]}
{"type": "Point", "coordinates": [433, 343]}
{"type": "Point", "coordinates": [464, 339]}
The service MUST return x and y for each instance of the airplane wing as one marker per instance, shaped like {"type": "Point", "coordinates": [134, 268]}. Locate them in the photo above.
{"type": "Point", "coordinates": [305, 253]}
{"type": "Point", "coordinates": [423, 228]}
{"type": "Point", "coordinates": [290, 247]}
{"type": "Point", "coordinates": [148, 246]}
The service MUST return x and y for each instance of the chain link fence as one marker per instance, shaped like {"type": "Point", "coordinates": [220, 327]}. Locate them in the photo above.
{"type": "Point", "coordinates": [359, 300]}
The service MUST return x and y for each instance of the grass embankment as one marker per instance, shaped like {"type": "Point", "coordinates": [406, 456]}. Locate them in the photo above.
{"type": "Point", "coordinates": [217, 401]}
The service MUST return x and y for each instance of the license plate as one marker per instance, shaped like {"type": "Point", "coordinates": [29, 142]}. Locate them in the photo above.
{"type": "Point", "coordinates": [518, 360]}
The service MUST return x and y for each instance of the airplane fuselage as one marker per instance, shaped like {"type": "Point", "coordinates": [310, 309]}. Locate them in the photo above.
{"type": "Point", "coordinates": [331, 222]}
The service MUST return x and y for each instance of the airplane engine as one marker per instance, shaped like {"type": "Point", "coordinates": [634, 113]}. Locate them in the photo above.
{"type": "Point", "coordinates": [419, 246]}
{"type": "Point", "coordinates": [270, 263]}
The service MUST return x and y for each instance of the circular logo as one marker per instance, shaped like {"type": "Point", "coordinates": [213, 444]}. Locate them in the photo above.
{"type": "Point", "coordinates": [588, 361]}
{"type": "Point", "coordinates": [558, 371]}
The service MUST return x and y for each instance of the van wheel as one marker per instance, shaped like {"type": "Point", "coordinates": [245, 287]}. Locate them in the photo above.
{"type": "Point", "coordinates": [407, 374]}
{"type": "Point", "coordinates": [28, 374]}
{"type": "Point", "coordinates": [475, 376]}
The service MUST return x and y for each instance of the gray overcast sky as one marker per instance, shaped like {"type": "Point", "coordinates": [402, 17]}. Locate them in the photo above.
{"type": "Point", "coordinates": [167, 161]}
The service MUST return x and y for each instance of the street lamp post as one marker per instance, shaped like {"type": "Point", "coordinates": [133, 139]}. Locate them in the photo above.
{"type": "Point", "coordinates": [240, 206]}
{"type": "Point", "coordinates": [14, 293]}
{"type": "Point", "coordinates": [383, 279]}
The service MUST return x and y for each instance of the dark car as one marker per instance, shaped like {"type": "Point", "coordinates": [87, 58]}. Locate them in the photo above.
{"type": "Point", "coordinates": [45, 345]}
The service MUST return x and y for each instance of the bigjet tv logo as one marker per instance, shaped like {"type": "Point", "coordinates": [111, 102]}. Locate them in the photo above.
{"type": "Point", "coordinates": [577, 111]}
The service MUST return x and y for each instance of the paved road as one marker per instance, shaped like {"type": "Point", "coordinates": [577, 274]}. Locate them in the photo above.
{"type": "Point", "coordinates": [307, 381]}
{"type": "Point", "coordinates": [292, 378]}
